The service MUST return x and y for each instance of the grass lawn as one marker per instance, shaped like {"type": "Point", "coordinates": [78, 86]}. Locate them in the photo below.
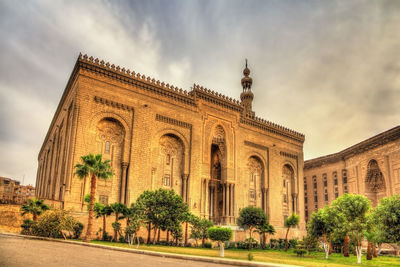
{"type": "Point", "coordinates": [274, 256]}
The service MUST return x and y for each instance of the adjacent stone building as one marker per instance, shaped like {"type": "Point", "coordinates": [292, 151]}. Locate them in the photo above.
{"type": "Point", "coordinates": [370, 168]}
{"type": "Point", "coordinates": [208, 147]}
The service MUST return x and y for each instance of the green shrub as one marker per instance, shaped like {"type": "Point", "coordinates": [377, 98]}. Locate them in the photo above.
{"type": "Point", "coordinates": [220, 234]}
{"type": "Point", "coordinates": [300, 249]}
{"type": "Point", "coordinates": [293, 243]}
{"type": "Point", "coordinates": [28, 227]}
{"type": "Point", "coordinates": [78, 228]}
{"type": "Point", "coordinates": [310, 243]}
{"type": "Point", "coordinates": [207, 245]}
{"type": "Point", "coordinates": [250, 256]}
{"type": "Point", "coordinates": [55, 223]}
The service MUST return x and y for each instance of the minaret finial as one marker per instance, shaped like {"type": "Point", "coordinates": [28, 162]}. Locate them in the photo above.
{"type": "Point", "coordinates": [246, 80]}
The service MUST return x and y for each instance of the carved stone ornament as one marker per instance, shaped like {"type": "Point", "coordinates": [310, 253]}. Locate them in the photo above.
{"type": "Point", "coordinates": [169, 145]}
{"type": "Point", "coordinates": [254, 165]}
{"type": "Point", "coordinates": [108, 130]}
{"type": "Point", "coordinates": [374, 178]}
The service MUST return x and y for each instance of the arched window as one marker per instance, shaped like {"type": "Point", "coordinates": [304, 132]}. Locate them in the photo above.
{"type": "Point", "coordinates": [107, 147]}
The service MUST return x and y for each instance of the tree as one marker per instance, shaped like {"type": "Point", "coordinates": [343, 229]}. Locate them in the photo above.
{"type": "Point", "coordinates": [351, 213]}
{"type": "Point", "coordinates": [387, 217]}
{"type": "Point", "coordinates": [135, 219]}
{"type": "Point", "coordinates": [290, 222]}
{"type": "Point", "coordinates": [163, 209]}
{"type": "Point", "coordinates": [200, 228]}
{"type": "Point", "coordinates": [321, 225]}
{"type": "Point", "coordinates": [35, 207]}
{"type": "Point", "coordinates": [220, 235]}
{"type": "Point", "coordinates": [263, 230]}
{"type": "Point", "coordinates": [119, 210]}
{"type": "Point", "coordinates": [96, 168]}
{"type": "Point", "coordinates": [102, 211]}
{"type": "Point", "coordinates": [250, 218]}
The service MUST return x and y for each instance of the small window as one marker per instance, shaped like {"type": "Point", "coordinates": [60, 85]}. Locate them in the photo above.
{"type": "Point", "coordinates": [316, 207]}
{"type": "Point", "coordinates": [306, 213]}
{"type": "Point", "coordinates": [305, 200]}
{"type": "Point", "coordinates": [107, 149]}
{"type": "Point", "coordinates": [167, 180]}
{"type": "Point", "coordinates": [168, 159]}
{"type": "Point", "coordinates": [325, 183]}
{"type": "Point", "coordinates": [284, 198]}
{"type": "Point", "coordinates": [252, 194]}
{"type": "Point", "coordinates": [305, 187]}
{"type": "Point", "coordinates": [326, 197]}
{"type": "Point", "coordinates": [284, 183]}
{"type": "Point", "coordinates": [103, 199]}
{"type": "Point", "coordinates": [336, 194]}
{"type": "Point", "coordinates": [315, 199]}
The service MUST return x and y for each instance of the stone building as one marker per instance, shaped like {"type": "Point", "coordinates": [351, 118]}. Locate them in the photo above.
{"type": "Point", "coordinates": [12, 192]}
{"type": "Point", "coordinates": [370, 168]}
{"type": "Point", "coordinates": [211, 149]}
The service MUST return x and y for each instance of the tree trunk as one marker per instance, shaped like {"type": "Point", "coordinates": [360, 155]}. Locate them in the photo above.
{"type": "Point", "coordinates": [375, 254]}
{"type": "Point", "coordinates": [346, 246]}
{"type": "Point", "coordinates": [203, 241]}
{"type": "Point", "coordinates": [330, 247]}
{"type": "Point", "coordinates": [325, 246]}
{"type": "Point", "coordinates": [158, 235]}
{"type": "Point", "coordinates": [250, 240]}
{"type": "Point", "coordinates": [115, 229]}
{"type": "Point", "coordinates": [149, 233]}
{"type": "Point", "coordinates": [286, 239]}
{"type": "Point", "coordinates": [167, 236]}
{"type": "Point", "coordinates": [379, 248]}
{"type": "Point", "coordinates": [104, 227]}
{"type": "Point", "coordinates": [34, 215]}
{"type": "Point", "coordinates": [369, 251]}
{"type": "Point", "coordinates": [154, 236]}
{"type": "Point", "coordinates": [221, 249]}
{"type": "Point", "coordinates": [186, 234]}
{"type": "Point", "coordinates": [359, 254]}
{"type": "Point", "coordinates": [176, 241]}
{"type": "Point", "coordinates": [91, 209]}
{"type": "Point", "coordinates": [264, 237]}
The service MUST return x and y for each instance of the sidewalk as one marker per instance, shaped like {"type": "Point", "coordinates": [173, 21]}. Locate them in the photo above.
{"type": "Point", "coordinates": [231, 262]}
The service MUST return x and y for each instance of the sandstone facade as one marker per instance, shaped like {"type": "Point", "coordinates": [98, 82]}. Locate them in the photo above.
{"type": "Point", "coordinates": [209, 148]}
{"type": "Point", "coordinates": [370, 168]}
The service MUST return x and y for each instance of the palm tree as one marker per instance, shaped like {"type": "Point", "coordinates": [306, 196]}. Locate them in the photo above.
{"type": "Point", "coordinates": [290, 222]}
{"type": "Point", "coordinates": [102, 210]}
{"type": "Point", "coordinates": [35, 207]}
{"type": "Point", "coordinates": [95, 167]}
{"type": "Point", "coordinates": [118, 209]}
{"type": "Point", "coordinates": [263, 230]}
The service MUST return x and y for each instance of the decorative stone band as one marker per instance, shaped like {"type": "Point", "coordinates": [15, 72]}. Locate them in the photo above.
{"type": "Point", "coordinates": [107, 102]}
{"type": "Point", "coordinates": [173, 121]}
{"type": "Point", "coordinates": [288, 155]}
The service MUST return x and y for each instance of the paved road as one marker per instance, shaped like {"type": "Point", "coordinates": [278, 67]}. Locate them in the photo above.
{"type": "Point", "coordinates": [17, 251]}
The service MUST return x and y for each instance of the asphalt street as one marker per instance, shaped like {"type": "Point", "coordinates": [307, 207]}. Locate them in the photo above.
{"type": "Point", "coordinates": [17, 251]}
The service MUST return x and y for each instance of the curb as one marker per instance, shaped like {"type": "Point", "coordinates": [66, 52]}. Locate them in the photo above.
{"type": "Point", "coordinates": [153, 253]}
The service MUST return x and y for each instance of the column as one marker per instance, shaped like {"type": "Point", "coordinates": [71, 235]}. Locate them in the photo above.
{"type": "Point", "coordinates": [223, 201]}
{"type": "Point", "coordinates": [122, 198]}
{"type": "Point", "coordinates": [184, 187]}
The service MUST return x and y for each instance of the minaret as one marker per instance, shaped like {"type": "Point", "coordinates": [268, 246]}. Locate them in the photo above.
{"type": "Point", "coordinates": [247, 96]}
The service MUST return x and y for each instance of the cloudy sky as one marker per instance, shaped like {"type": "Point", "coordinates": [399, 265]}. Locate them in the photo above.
{"type": "Point", "coordinates": [329, 69]}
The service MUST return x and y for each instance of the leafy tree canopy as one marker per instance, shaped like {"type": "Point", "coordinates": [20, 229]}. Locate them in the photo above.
{"type": "Point", "coordinates": [220, 234]}
{"type": "Point", "coordinates": [251, 217]}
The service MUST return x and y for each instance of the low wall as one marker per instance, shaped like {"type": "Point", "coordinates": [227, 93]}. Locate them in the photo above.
{"type": "Point", "coordinates": [11, 218]}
